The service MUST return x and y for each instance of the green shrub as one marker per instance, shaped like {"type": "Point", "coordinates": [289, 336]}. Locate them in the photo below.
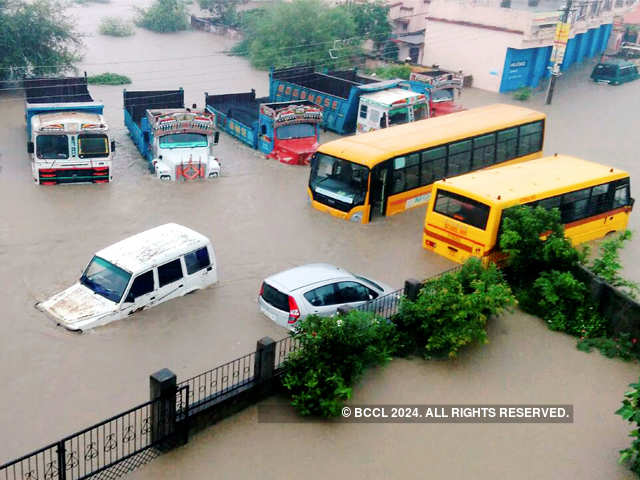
{"type": "Point", "coordinates": [523, 93]}
{"type": "Point", "coordinates": [622, 346]}
{"type": "Point", "coordinates": [164, 16]}
{"type": "Point", "coordinates": [630, 411]}
{"type": "Point", "coordinates": [108, 79]}
{"type": "Point", "coordinates": [394, 71]}
{"type": "Point", "coordinates": [607, 266]}
{"type": "Point", "coordinates": [452, 311]}
{"type": "Point", "coordinates": [115, 27]}
{"type": "Point", "coordinates": [334, 352]}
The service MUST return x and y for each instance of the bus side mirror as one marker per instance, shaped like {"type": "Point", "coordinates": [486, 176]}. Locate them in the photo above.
{"type": "Point", "coordinates": [30, 147]}
{"type": "Point", "coordinates": [113, 145]}
{"type": "Point", "coordinates": [216, 137]}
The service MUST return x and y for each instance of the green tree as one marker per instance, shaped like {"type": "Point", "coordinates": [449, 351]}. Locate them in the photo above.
{"type": "Point", "coordinates": [36, 38]}
{"type": "Point", "coordinates": [164, 16]}
{"type": "Point", "coordinates": [372, 21]}
{"type": "Point", "coordinates": [224, 11]}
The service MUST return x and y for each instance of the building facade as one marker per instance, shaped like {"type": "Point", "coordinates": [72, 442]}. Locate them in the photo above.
{"type": "Point", "coordinates": [508, 48]}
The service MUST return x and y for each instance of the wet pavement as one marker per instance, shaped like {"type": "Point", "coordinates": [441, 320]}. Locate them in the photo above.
{"type": "Point", "coordinates": [259, 220]}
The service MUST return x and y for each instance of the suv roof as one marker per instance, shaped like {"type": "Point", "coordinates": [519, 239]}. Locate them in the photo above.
{"type": "Point", "coordinates": [305, 275]}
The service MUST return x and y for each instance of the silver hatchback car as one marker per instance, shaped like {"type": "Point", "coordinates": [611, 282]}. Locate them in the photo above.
{"type": "Point", "coordinates": [315, 289]}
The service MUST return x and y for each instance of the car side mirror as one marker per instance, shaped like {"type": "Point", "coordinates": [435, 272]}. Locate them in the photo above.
{"type": "Point", "coordinates": [113, 145]}
{"type": "Point", "coordinates": [216, 137]}
{"type": "Point", "coordinates": [370, 297]}
{"type": "Point", "coordinates": [30, 148]}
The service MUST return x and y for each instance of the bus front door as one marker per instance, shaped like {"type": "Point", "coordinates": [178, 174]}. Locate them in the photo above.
{"type": "Point", "coordinates": [378, 194]}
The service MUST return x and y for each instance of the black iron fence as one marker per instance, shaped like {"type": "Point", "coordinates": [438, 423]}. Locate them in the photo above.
{"type": "Point", "coordinates": [95, 451]}
{"type": "Point", "coordinates": [283, 348]}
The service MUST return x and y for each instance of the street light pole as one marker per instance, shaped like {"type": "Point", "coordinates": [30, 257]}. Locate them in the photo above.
{"type": "Point", "coordinates": [560, 42]}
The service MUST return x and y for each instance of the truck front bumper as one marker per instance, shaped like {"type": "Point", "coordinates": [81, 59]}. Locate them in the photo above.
{"type": "Point", "coordinates": [55, 176]}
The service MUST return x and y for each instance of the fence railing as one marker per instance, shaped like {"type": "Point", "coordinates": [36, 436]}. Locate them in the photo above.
{"type": "Point", "coordinates": [284, 347]}
{"type": "Point", "coordinates": [97, 449]}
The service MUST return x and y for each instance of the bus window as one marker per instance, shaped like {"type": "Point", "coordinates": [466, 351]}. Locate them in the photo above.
{"type": "Point", "coordinates": [484, 151]}
{"type": "Point", "coordinates": [621, 196]}
{"type": "Point", "coordinates": [507, 145]}
{"type": "Point", "coordinates": [599, 201]}
{"type": "Point", "coordinates": [461, 208]}
{"type": "Point", "coordinates": [530, 138]}
{"type": "Point", "coordinates": [574, 205]}
{"type": "Point", "coordinates": [459, 158]}
{"type": "Point", "coordinates": [434, 165]}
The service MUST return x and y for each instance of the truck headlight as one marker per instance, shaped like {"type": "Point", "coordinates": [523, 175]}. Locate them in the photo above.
{"type": "Point", "coordinates": [356, 217]}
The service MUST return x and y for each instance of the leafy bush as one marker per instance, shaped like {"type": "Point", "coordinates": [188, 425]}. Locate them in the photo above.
{"type": "Point", "coordinates": [115, 27]}
{"type": "Point", "coordinates": [523, 93]}
{"type": "Point", "coordinates": [452, 311]}
{"type": "Point", "coordinates": [163, 16]}
{"type": "Point", "coordinates": [630, 411]}
{"type": "Point", "coordinates": [334, 352]}
{"type": "Point", "coordinates": [108, 79]}
{"type": "Point", "coordinates": [394, 71]}
{"type": "Point", "coordinates": [607, 266]}
{"type": "Point", "coordinates": [622, 346]}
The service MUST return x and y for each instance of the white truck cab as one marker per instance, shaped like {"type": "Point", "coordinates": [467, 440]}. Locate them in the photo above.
{"type": "Point", "coordinates": [135, 274]}
{"type": "Point", "coordinates": [393, 106]}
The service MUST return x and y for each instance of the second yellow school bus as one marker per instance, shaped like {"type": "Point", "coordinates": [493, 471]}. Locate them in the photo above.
{"type": "Point", "coordinates": [388, 171]}
{"type": "Point", "coordinates": [465, 213]}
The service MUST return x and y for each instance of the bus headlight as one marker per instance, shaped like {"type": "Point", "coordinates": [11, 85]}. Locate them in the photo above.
{"type": "Point", "coordinates": [356, 217]}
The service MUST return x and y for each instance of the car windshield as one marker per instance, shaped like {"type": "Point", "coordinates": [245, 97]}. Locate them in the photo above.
{"type": "Point", "coordinates": [52, 146]}
{"type": "Point", "coordinates": [183, 140]}
{"type": "Point", "coordinates": [298, 130]}
{"type": "Point", "coordinates": [339, 179]}
{"type": "Point", "coordinates": [93, 145]}
{"type": "Point", "coordinates": [445, 95]}
{"type": "Point", "coordinates": [105, 279]}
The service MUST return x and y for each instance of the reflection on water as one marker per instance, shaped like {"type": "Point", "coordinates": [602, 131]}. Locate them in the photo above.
{"type": "Point", "coordinates": [259, 220]}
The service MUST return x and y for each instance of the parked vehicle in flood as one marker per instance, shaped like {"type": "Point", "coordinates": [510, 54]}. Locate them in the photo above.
{"type": "Point", "coordinates": [314, 289]}
{"type": "Point", "coordinates": [135, 274]}
{"type": "Point", "coordinates": [615, 71]}
{"type": "Point", "coordinates": [440, 87]}
{"type": "Point", "coordinates": [393, 106]}
{"type": "Point", "coordinates": [67, 135]}
{"type": "Point", "coordinates": [286, 131]}
{"type": "Point", "coordinates": [176, 141]}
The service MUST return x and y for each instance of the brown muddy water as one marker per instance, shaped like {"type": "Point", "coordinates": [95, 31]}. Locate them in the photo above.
{"type": "Point", "coordinates": [258, 217]}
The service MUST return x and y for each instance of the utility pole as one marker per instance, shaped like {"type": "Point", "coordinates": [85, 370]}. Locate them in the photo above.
{"type": "Point", "coordinates": [559, 46]}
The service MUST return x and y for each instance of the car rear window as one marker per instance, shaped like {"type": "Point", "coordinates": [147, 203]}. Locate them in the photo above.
{"type": "Point", "coordinates": [275, 298]}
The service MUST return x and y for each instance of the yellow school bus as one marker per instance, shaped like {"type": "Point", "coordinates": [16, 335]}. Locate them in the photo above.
{"type": "Point", "coordinates": [465, 213]}
{"type": "Point", "coordinates": [388, 171]}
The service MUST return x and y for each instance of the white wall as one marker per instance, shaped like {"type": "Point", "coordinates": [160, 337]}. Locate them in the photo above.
{"type": "Point", "coordinates": [475, 51]}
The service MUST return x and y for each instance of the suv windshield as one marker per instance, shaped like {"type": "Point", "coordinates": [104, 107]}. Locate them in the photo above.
{"type": "Point", "coordinates": [52, 146]}
{"type": "Point", "coordinates": [339, 179]}
{"type": "Point", "coordinates": [105, 279]}
{"type": "Point", "coordinates": [298, 130]}
{"type": "Point", "coordinates": [461, 208]}
{"type": "Point", "coordinates": [183, 140]}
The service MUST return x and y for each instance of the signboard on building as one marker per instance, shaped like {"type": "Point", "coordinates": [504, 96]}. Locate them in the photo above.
{"type": "Point", "coordinates": [560, 42]}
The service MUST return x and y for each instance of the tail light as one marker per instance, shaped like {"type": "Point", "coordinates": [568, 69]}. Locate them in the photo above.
{"type": "Point", "coordinates": [261, 289]}
{"type": "Point", "coordinates": [294, 311]}
{"type": "Point", "coordinates": [429, 243]}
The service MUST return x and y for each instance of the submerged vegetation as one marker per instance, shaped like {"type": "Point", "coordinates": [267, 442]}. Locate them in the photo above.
{"type": "Point", "coordinates": [164, 16]}
{"type": "Point", "coordinates": [115, 27]}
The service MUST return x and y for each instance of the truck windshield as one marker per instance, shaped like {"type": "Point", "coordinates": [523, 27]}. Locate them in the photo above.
{"type": "Point", "coordinates": [445, 95]}
{"type": "Point", "coordinates": [105, 279]}
{"type": "Point", "coordinates": [183, 140]}
{"type": "Point", "coordinates": [93, 145]}
{"type": "Point", "coordinates": [52, 146]}
{"type": "Point", "coordinates": [462, 208]}
{"type": "Point", "coordinates": [398, 116]}
{"type": "Point", "coordinates": [298, 130]}
{"type": "Point", "coordinates": [339, 179]}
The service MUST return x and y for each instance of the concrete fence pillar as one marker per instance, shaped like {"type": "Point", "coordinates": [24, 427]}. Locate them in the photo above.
{"type": "Point", "coordinates": [162, 390]}
{"type": "Point", "coordinates": [412, 289]}
{"type": "Point", "coordinates": [265, 361]}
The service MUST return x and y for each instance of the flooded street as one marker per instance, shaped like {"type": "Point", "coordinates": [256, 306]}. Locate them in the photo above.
{"type": "Point", "coordinates": [258, 217]}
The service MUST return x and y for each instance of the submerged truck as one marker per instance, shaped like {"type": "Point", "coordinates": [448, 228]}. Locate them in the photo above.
{"type": "Point", "coordinates": [337, 92]}
{"type": "Point", "coordinates": [286, 131]}
{"type": "Point", "coordinates": [393, 106]}
{"type": "Point", "coordinates": [441, 87]}
{"type": "Point", "coordinates": [68, 138]}
{"type": "Point", "coordinates": [177, 142]}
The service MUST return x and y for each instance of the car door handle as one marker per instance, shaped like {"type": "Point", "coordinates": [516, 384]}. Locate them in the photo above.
{"type": "Point", "coordinates": [209, 268]}
{"type": "Point", "coordinates": [180, 286]}
{"type": "Point", "coordinates": [152, 298]}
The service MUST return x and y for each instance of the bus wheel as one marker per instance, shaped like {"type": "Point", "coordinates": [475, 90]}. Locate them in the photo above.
{"type": "Point", "coordinates": [610, 234]}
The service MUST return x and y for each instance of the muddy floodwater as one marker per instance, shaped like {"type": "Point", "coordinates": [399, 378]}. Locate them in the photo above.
{"type": "Point", "coordinates": [258, 217]}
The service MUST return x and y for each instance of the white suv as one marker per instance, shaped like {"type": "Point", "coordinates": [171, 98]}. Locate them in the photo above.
{"type": "Point", "coordinates": [315, 289]}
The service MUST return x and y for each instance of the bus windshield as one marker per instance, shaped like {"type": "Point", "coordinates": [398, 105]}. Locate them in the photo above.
{"type": "Point", "coordinates": [183, 140]}
{"type": "Point", "coordinates": [297, 130]}
{"type": "Point", "coordinates": [105, 279]}
{"type": "Point", "coordinates": [461, 208]}
{"type": "Point", "coordinates": [52, 146]}
{"type": "Point", "coordinates": [339, 179]}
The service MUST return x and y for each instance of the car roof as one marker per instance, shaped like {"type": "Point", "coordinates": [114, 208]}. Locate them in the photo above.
{"type": "Point", "coordinates": [153, 247]}
{"type": "Point", "coordinates": [305, 275]}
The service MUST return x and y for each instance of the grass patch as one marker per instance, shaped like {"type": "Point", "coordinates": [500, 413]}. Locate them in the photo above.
{"type": "Point", "coordinates": [108, 78]}
{"type": "Point", "coordinates": [523, 93]}
{"type": "Point", "coordinates": [115, 27]}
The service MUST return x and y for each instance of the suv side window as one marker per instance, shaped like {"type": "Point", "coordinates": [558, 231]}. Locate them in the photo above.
{"type": "Point", "coordinates": [352, 292]}
{"type": "Point", "coordinates": [321, 296]}
{"type": "Point", "coordinates": [142, 284]}
{"type": "Point", "coordinates": [169, 272]}
{"type": "Point", "coordinates": [197, 260]}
